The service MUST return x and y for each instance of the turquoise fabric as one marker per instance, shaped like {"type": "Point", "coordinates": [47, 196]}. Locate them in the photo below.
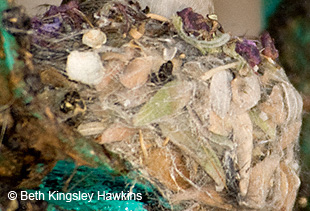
{"type": "Point", "coordinates": [66, 178]}
{"type": "Point", "coordinates": [8, 44]}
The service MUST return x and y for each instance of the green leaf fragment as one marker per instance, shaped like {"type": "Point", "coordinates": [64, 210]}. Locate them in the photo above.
{"type": "Point", "coordinates": [167, 101]}
{"type": "Point", "coordinates": [263, 125]}
{"type": "Point", "coordinates": [202, 45]}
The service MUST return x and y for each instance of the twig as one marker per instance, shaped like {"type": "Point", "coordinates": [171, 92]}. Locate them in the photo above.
{"type": "Point", "coordinates": [211, 72]}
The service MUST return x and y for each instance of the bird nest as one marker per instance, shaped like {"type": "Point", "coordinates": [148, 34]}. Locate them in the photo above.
{"type": "Point", "coordinates": [210, 119]}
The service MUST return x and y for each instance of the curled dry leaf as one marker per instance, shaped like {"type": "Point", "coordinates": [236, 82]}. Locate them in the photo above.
{"type": "Point", "coordinates": [118, 56]}
{"type": "Point", "coordinates": [161, 164]}
{"type": "Point", "coordinates": [242, 133]}
{"type": "Point", "coordinates": [91, 128]}
{"type": "Point", "coordinates": [51, 76]}
{"type": "Point", "coordinates": [205, 195]}
{"type": "Point", "coordinates": [293, 185]}
{"type": "Point", "coordinates": [134, 97]}
{"type": "Point", "coordinates": [290, 134]}
{"type": "Point", "coordinates": [116, 132]}
{"type": "Point", "coordinates": [136, 72]}
{"type": "Point", "coordinates": [274, 106]}
{"type": "Point", "coordinates": [219, 126]}
{"type": "Point", "coordinates": [280, 189]}
{"type": "Point", "coordinates": [261, 182]}
{"type": "Point", "coordinates": [113, 68]}
{"type": "Point", "coordinates": [293, 102]}
{"type": "Point", "coordinates": [94, 38]}
{"type": "Point", "coordinates": [267, 126]}
{"type": "Point", "coordinates": [137, 33]}
{"type": "Point", "coordinates": [246, 91]}
{"type": "Point", "coordinates": [204, 155]}
{"type": "Point", "coordinates": [272, 73]}
{"type": "Point", "coordinates": [220, 93]}
{"type": "Point", "coordinates": [167, 101]}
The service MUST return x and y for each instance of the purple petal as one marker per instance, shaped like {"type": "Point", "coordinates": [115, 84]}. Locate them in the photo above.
{"type": "Point", "coordinates": [193, 21]}
{"type": "Point", "coordinates": [249, 51]}
{"type": "Point", "coordinates": [268, 45]}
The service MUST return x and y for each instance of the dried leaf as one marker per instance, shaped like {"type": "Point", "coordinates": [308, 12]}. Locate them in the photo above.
{"type": "Point", "coordinates": [116, 132]}
{"type": "Point", "coordinates": [51, 76]}
{"type": "Point", "coordinates": [274, 106]}
{"type": "Point", "coordinates": [136, 72]}
{"type": "Point", "coordinates": [293, 186]}
{"type": "Point", "coordinates": [202, 153]}
{"type": "Point", "coordinates": [219, 126]}
{"type": "Point", "coordinates": [267, 126]}
{"type": "Point", "coordinates": [112, 68]}
{"type": "Point", "coordinates": [91, 128]}
{"type": "Point", "coordinates": [293, 102]}
{"type": "Point", "coordinates": [137, 33]}
{"type": "Point", "coordinates": [205, 195]}
{"type": "Point", "coordinates": [161, 164]}
{"type": "Point", "coordinates": [290, 102]}
{"type": "Point", "coordinates": [260, 182]}
{"type": "Point", "coordinates": [246, 91]}
{"type": "Point", "coordinates": [290, 134]}
{"type": "Point", "coordinates": [242, 133]}
{"type": "Point", "coordinates": [130, 98]}
{"type": "Point", "coordinates": [280, 189]}
{"type": "Point", "coordinates": [272, 73]}
{"type": "Point", "coordinates": [220, 93]}
{"type": "Point", "coordinates": [167, 101]}
{"type": "Point", "coordinates": [224, 141]}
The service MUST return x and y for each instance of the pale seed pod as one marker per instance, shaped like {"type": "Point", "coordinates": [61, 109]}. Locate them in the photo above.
{"type": "Point", "coordinates": [220, 93]}
{"type": "Point", "coordinates": [94, 38]}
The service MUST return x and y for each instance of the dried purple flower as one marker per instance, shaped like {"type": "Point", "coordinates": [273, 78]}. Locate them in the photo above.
{"type": "Point", "coordinates": [46, 28]}
{"type": "Point", "coordinates": [249, 51]}
{"type": "Point", "coordinates": [193, 23]}
{"type": "Point", "coordinates": [56, 21]}
{"type": "Point", "coordinates": [268, 45]}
